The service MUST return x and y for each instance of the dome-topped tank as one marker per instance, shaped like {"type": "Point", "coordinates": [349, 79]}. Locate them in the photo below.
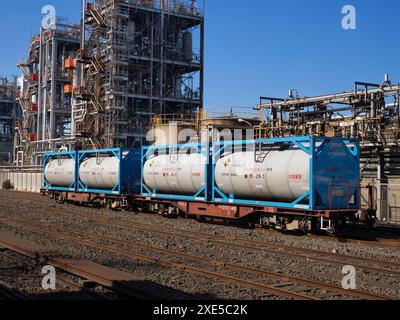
{"type": "Point", "coordinates": [99, 172]}
{"type": "Point", "coordinates": [277, 176]}
{"type": "Point", "coordinates": [183, 174]}
{"type": "Point", "coordinates": [60, 172]}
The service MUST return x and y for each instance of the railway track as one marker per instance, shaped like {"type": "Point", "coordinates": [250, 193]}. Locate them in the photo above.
{"type": "Point", "coordinates": [118, 281]}
{"type": "Point", "coordinates": [273, 248]}
{"type": "Point", "coordinates": [276, 289]}
{"type": "Point", "coordinates": [9, 293]}
{"type": "Point", "coordinates": [62, 280]}
{"type": "Point", "coordinates": [341, 238]}
{"type": "Point", "coordinates": [365, 240]}
{"type": "Point", "coordinates": [268, 247]}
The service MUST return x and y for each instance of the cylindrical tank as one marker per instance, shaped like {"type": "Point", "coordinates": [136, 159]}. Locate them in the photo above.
{"type": "Point", "coordinates": [131, 32]}
{"type": "Point", "coordinates": [270, 176]}
{"type": "Point", "coordinates": [100, 172]}
{"type": "Point", "coordinates": [60, 172]}
{"type": "Point", "coordinates": [188, 46]}
{"type": "Point", "coordinates": [172, 133]}
{"type": "Point", "coordinates": [182, 174]}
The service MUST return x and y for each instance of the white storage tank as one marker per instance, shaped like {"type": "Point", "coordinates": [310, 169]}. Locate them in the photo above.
{"type": "Point", "coordinates": [281, 176]}
{"type": "Point", "coordinates": [182, 174]}
{"type": "Point", "coordinates": [60, 172]}
{"type": "Point", "coordinates": [99, 172]}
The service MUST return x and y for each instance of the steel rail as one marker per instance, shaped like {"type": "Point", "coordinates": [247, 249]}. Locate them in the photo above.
{"type": "Point", "coordinates": [226, 278]}
{"type": "Point", "coordinates": [379, 242]}
{"type": "Point", "coordinates": [60, 279]}
{"type": "Point", "coordinates": [8, 293]}
{"type": "Point", "coordinates": [233, 267]}
{"type": "Point", "coordinates": [111, 278]}
{"type": "Point", "coordinates": [255, 245]}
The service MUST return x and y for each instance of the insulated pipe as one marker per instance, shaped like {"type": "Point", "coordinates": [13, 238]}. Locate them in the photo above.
{"type": "Point", "coordinates": [39, 115]}
{"type": "Point", "coordinates": [53, 88]}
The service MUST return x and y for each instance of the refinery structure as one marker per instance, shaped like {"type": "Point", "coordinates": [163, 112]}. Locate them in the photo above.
{"type": "Point", "coordinates": [117, 181]}
{"type": "Point", "coordinates": [9, 114]}
{"type": "Point", "coordinates": [132, 65]}
{"type": "Point", "coordinates": [45, 94]}
{"type": "Point", "coordinates": [370, 112]}
{"type": "Point", "coordinates": [99, 83]}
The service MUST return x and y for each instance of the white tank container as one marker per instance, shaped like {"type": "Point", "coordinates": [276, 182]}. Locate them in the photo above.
{"type": "Point", "coordinates": [99, 173]}
{"type": "Point", "coordinates": [60, 172]}
{"type": "Point", "coordinates": [281, 176]}
{"type": "Point", "coordinates": [180, 175]}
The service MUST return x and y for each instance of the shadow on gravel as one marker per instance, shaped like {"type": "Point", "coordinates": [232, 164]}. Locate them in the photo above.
{"type": "Point", "coordinates": [121, 291]}
{"type": "Point", "coordinates": [368, 234]}
{"type": "Point", "coordinates": [148, 290]}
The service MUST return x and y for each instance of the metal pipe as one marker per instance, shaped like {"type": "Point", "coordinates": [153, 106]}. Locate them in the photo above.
{"type": "Point", "coordinates": [373, 106]}
{"type": "Point", "coordinates": [53, 88]}
{"type": "Point", "coordinates": [202, 28]}
{"type": "Point", "coordinates": [39, 102]}
{"type": "Point", "coordinates": [334, 98]}
{"type": "Point", "coordinates": [44, 67]}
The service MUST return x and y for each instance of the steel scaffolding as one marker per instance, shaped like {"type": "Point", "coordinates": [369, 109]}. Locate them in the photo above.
{"type": "Point", "coordinates": [137, 59]}
{"type": "Point", "coordinates": [370, 112]}
{"type": "Point", "coordinates": [98, 84]}
{"type": "Point", "coordinates": [9, 114]}
{"type": "Point", "coordinates": [46, 93]}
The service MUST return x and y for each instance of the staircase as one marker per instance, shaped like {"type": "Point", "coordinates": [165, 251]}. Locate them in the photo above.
{"type": "Point", "coordinates": [98, 18]}
{"type": "Point", "coordinates": [98, 64]}
{"type": "Point", "coordinates": [22, 133]}
{"type": "Point", "coordinates": [98, 106]}
{"type": "Point", "coordinates": [97, 143]}
{"type": "Point", "coordinates": [87, 52]}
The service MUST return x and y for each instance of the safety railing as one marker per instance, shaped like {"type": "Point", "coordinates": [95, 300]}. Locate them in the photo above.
{"type": "Point", "coordinates": [164, 119]}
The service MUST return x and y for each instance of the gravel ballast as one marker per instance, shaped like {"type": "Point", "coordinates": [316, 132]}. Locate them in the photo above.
{"type": "Point", "coordinates": [44, 210]}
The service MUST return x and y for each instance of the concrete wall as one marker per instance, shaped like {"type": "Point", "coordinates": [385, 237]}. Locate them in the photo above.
{"type": "Point", "coordinates": [387, 198]}
{"type": "Point", "coordinates": [389, 203]}
{"type": "Point", "coordinates": [28, 181]}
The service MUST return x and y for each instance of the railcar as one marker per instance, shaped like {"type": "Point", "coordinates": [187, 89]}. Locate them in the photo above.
{"type": "Point", "coordinates": [298, 183]}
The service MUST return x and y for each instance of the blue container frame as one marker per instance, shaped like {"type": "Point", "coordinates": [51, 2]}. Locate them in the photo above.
{"type": "Point", "coordinates": [129, 170]}
{"type": "Point", "coordinates": [50, 156]}
{"type": "Point", "coordinates": [201, 195]}
{"type": "Point", "coordinates": [218, 148]}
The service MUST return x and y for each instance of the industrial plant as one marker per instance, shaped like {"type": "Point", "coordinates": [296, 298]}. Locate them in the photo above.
{"type": "Point", "coordinates": [106, 134]}
{"type": "Point", "coordinates": [99, 83]}
{"type": "Point", "coordinates": [10, 113]}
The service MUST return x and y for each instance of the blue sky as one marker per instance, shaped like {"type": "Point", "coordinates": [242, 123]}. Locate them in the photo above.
{"type": "Point", "coordinates": [260, 47]}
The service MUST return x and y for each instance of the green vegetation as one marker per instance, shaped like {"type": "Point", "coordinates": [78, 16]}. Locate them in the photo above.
{"type": "Point", "coordinates": [7, 185]}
